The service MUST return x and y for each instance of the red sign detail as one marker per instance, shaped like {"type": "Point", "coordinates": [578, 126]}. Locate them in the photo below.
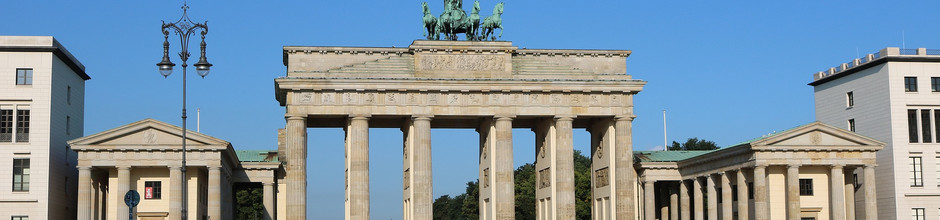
{"type": "Point", "coordinates": [148, 193]}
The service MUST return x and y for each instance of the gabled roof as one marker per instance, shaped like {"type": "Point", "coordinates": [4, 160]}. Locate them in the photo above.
{"type": "Point", "coordinates": [816, 136]}
{"type": "Point", "coordinates": [666, 156]}
{"type": "Point", "coordinates": [257, 156]}
{"type": "Point", "coordinates": [148, 134]}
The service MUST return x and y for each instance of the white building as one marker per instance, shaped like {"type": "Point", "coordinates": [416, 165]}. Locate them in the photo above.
{"type": "Point", "coordinates": [894, 97]}
{"type": "Point", "coordinates": [41, 107]}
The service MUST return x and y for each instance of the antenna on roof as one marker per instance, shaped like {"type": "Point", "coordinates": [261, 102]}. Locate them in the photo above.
{"type": "Point", "coordinates": [665, 142]}
{"type": "Point", "coordinates": [902, 40]}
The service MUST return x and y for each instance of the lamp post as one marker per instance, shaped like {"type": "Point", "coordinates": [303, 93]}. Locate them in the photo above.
{"type": "Point", "coordinates": [185, 28]}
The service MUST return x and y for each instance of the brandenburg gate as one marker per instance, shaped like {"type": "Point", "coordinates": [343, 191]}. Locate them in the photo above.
{"type": "Point", "coordinates": [492, 87]}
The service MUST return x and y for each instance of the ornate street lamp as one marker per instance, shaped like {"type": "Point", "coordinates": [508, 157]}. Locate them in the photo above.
{"type": "Point", "coordinates": [184, 28]}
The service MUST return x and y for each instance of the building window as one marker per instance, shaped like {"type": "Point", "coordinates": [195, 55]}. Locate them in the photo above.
{"type": "Point", "coordinates": [912, 125]}
{"type": "Point", "coordinates": [24, 76]}
{"type": "Point", "coordinates": [734, 193]}
{"type": "Point", "coordinates": [806, 187]}
{"type": "Point", "coordinates": [936, 123]}
{"type": "Point", "coordinates": [917, 172]}
{"type": "Point", "coordinates": [68, 125]}
{"type": "Point", "coordinates": [20, 217]}
{"type": "Point", "coordinates": [22, 125]}
{"type": "Point", "coordinates": [918, 214]}
{"type": "Point", "coordinates": [910, 84]}
{"type": "Point", "coordinates": [152, 189]}
{"type": "Point", "coordinates": [925, 124]}
{"type": "Point", "coordinates": [6, 125]}
{"type": "Point", "coordinates": [68, 95]}
{"type": "Point", "coordinates": [750, 190]}
{"type": "Point", "coordinates": [849, 100]}
{"type": "Point", "coordinates": [935, 84]}
{"type": "Point", "coordinates": [21, 175]}
{"type": "Point", "coordinates": [852, 125]}
{"type": "Point", "coordinates": [938, 170]}
{"type": "Point", "coordinates": [718, 194]}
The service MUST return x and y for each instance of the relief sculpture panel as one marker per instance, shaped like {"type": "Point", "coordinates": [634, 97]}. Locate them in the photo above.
{"type": "Point", "coordinates": [453, 62]}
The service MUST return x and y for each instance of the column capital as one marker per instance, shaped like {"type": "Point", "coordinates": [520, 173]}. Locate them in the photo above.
{"type": "Point", "coordinates": [174, 167]}
{"type": "Point", "coordinates": [837, 166]}
{"type": "Point", "coordinates": [267, 183]}
{"type": "Point", "coordinates": [629, 117]}
{"type": "Point", "coordinates": [793, 165]}
{"type": "Point", "coordinates": [123, 167]}
{"type": "Point", "coordinates": [871, 166]}
{"type": "Point", "coordinates": [422, 117]}
{"type": "Point", "coordinates": [84, 167]}
{"type": "Point", "coordinates": [502, 117]}
{"type": "Point", "coordinates": [565, 117]}
{"type": "Point", "coordinates": [294, 117]}
{"type": "Point", "coordinates": [214, 167]}
{"type": "Point", "coordinates": [360, 116]}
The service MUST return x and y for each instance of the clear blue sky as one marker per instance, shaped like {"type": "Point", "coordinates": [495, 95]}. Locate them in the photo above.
{"type": "Point", "coordinates": [725, 71]}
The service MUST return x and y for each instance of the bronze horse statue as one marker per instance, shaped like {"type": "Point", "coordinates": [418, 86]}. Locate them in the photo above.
{"type": "Point", "coordinates": [430, 23]}
{"type": "Point", "coordinates": [491, 23]}
{"type": "Point", "coordinates": [454, 21]}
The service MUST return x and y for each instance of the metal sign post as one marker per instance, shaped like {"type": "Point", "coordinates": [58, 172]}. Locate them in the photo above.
{"type": "Point", "coordinates": [131, 198]}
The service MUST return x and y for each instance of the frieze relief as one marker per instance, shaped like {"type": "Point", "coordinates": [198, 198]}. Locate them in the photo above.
{"type": "Point", "coordinates": [462, 62]}
{"type": "Point", "coordinates": [458, 98]}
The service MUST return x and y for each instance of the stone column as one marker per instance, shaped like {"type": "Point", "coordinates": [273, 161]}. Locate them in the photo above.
{"type": "Point", "coordinates": [837, 192]}
{"type": "Point", "coordinates": [214, 188]}
{"type": "Point", "coordinates": [268, 188]}
{"type": "Point", "coordinates": [357, 168]}
{"type": "Point", "coordinates": [699, 199]}
{"type": "Point", "coordinates": [684, 201]}
{"type": "Point", "coordinates": [175, 192]}
{"type": "Point", "coordinates": [296, 178]}
{"type": "Point", "coordinates": [850, 193]}
{"type": "Point", "coordinates": [564, 171]}
{"type": "Point", "coordinates": [712, 198]}
{"type": "Point", "coordinates": [742, 195]}
{"type": "Point", "coordinates": [761, 211]}
{"type": "Point", "coordinates": [422, 201]}
{"type": "Point", "coordinates": [623, 165]}
{"type": "Point", "coordinates": [123, 185]}
{"type": "Point", "coordinates": [871, 200]}
{"type": "Point", "coordinates": [85, 201]}
{"type": "Point", "coordinates": [727, 201]}
{"type": "Point", "coordinates": [649, 197]}
{"type": "Point", "coordinates": [673, 205]}
{"type": "Point", "coordinates": [793, 192]}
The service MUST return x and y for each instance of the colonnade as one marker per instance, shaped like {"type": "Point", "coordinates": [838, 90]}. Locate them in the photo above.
{"type": "Point", "coordinates": [554, 167]}
{"type": "Point", "coordinates": [707, 189]}
{"type": "Point", "coordinates": [93, 193]}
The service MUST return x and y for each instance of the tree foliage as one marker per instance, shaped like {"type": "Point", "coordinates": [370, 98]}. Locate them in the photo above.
{"type": "Point", "coordinates": [466, 205]}
{"type": "Point", "coordinates": [694, 144]}
{"type": "Point", "coordinates": [249, 203]}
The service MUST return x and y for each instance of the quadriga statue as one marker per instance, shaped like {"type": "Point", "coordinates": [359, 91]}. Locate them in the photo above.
{"type": "Point", "coordinates": [455, 20]}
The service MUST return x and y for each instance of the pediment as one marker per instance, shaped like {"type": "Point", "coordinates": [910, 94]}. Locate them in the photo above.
{"type": "Point", "coordinates": [147, 133]}
{"type": "Point", "coordinates": [817, 134]}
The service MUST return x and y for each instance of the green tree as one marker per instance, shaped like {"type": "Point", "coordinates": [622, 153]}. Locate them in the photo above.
{"type": "Point", "coordinates": [694, 144]}
{"type": "Point", "coordinates": [525, 191]}
{"type": "Point", "coordinates": [582, 185]}
{"type": "Point", "coordinates": [471, 203]}
{"type": "Point", "coordinates": [249, 202]}
{"type": "Point", "coordinates": [466, 205]}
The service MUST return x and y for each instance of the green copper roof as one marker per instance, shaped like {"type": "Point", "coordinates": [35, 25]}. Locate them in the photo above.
{"type": "Point", "coordinates": [256, 156]}
{"type": "Point", "coordinates": [667, 156]}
